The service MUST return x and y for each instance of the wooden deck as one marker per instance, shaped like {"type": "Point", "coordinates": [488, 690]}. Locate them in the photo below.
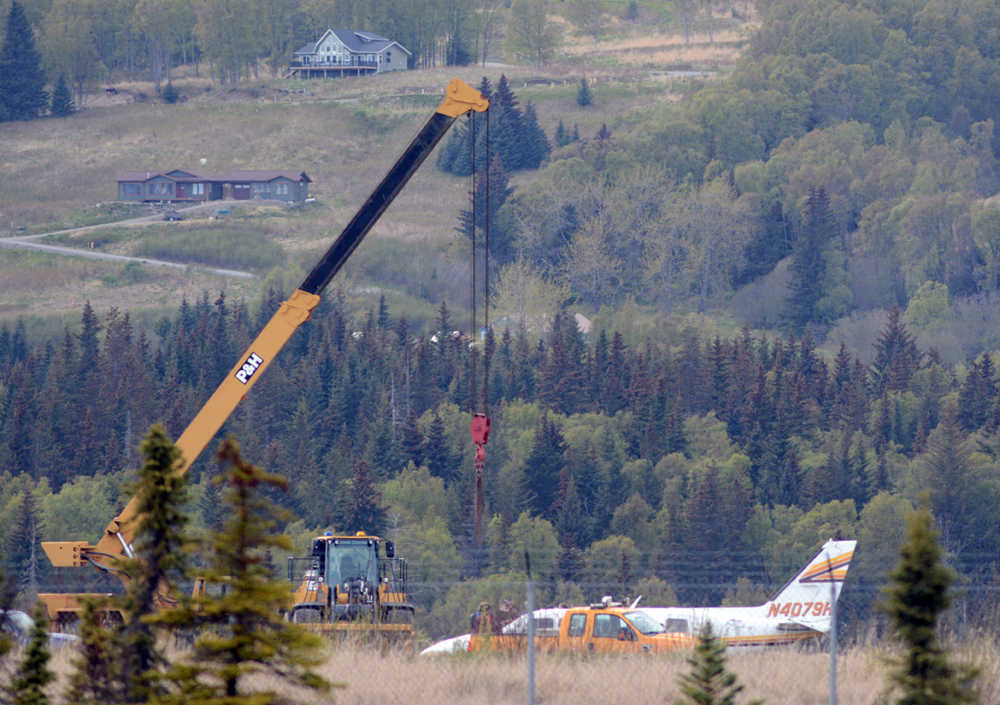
{"type": "Point", "coordinates": [330, 71]}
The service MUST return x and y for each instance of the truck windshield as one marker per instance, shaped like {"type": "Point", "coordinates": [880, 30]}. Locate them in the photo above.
{"type": "Point", "coordinates": [644, 623]}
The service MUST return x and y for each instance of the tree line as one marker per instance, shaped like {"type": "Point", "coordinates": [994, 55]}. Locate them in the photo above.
{"type": "Point", "coordinates": [93, 41]}
{"type": "Point", "coordinates": [621, 467]}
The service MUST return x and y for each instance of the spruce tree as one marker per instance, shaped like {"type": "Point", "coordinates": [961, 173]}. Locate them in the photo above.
{"type": "Point", "coordinates": [160, 542]}
{"type": "Point", "coordinates": [33, 675]}
{"type": "Point", "coordinates": [709, 683]}
{"type": "Point", "coordinates": [561, 137]}
{"type": "Point", "coordinates": [363, 510]}
{"type": "Point", "coordinates": [6, 643]}
{"type": "Point", "coordinates": [536, 147]}
{"type": "Point", "coordinates": [492, 190]}
{"type": "Point", "coordinates": [507, 130]}
{"type": "Point", "coordinates": [170, 94]}
{"type": "Point", "coordinates": [583, 96]}
{"type": "Point", "coordinates": [92, 681]}
{"type": "Point", "coordinates": [243, 632]}
{"type": "Point", "coordinates": [62, 101]}
{"type": "Point", "coordinates": [540, 484]}
{"type": "Point", "coordinates": [22, 555]}
{"type": "Point", "coordinates": [808, 266]}
{"type": "Point", "coordinates": [917, 596]}
{"type": "Point", "coordinates": [896, 355]}
{"type": "Point", "coordinates": [22, 82]}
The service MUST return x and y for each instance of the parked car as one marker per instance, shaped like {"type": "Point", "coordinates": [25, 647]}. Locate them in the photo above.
{"type": "Point", "coordinates": [173, 215]}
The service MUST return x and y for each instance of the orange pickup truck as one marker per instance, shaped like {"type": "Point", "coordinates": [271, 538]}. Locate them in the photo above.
{"type": "Point", "coordinates": [595, 628]}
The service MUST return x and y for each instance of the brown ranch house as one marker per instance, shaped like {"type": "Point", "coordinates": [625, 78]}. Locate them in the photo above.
{"type": "Point", "coordinates": [188, 186]}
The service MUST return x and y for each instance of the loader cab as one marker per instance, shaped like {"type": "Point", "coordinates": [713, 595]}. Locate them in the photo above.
{"type": "Point", "coordinates": [343, 560]}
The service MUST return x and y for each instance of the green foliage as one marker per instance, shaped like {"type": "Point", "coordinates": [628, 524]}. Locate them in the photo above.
{"type": "Point", "coordinates": [28, 686]}
{"type": "Point", "coordinates": [170, 94]}
{"type": "Point", "coordinates": [531, 35]}
{"type": "Point", "coordinates": [21, 555]}
{"type": "Point", "coordinates": [160, 542]}
{"type": "Point", "coordinates": [243, 632]}
{"type": "Point", "coordinates": [22, 82]}
{"type": "Point", "coordinates": [709, 683]}
{"type": "Point", "coordinates": [916, 599]}
{"type": "Point", "coordinates": [610, 567]}
{"type": "Point", "coordinates": [583, 96]}
{"type": "Point", "coordinates": [537, 537]}
{"type": "Point", "coordinates": [93, 680]}
{"type": "Point", "coordinates": [217, 246]}
{"type": "Point", "coordinates": [62, 101]}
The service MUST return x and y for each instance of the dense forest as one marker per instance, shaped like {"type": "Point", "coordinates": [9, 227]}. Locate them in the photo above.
{"type": "Point", "coordinates": [835, 196]}
{"type": "Point", "coordinates": [648, 468]}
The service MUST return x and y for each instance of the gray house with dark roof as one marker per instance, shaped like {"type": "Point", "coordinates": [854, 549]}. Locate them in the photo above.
{"type": "Point", "coordinates": [343, 51]}
{"type": "Point", "coordinates": [190, 186]}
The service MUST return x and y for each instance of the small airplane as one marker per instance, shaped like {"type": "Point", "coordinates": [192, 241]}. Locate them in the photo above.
{"type": "Point", "coordinates": [801, 610]}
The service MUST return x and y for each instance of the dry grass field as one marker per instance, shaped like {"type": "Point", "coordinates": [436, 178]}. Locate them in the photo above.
{"type": "Point", "coordinates": [779, 677]}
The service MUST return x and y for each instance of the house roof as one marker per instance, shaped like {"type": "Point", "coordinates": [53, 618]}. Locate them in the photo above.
{"type": "Point", "coordinates": [184, 176]}
{"type": "Point", "coordinates": [355, 41]}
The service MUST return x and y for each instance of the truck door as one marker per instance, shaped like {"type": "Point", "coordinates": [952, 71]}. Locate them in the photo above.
{"type": "Point", "coordinates": [576, 632]}
{"type": "Point", "coordinates": [611, 633]}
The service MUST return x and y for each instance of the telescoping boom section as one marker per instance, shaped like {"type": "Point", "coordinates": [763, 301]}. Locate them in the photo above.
{"type": "Point", "coordinates": [460, 98]}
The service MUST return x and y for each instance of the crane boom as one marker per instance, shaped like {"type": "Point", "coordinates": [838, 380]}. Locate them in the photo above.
{"type": "Point", "coordinates": [116, 542]}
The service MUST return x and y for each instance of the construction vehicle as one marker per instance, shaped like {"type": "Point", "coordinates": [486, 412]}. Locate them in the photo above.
{"type": "Point", "coordinates": [116, 542]}
{"type": "Point", "coordinates": [352, 584]}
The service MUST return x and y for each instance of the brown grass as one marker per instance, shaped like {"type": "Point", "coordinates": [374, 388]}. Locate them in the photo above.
{"type": "Point", "coordinates": [778, 676]}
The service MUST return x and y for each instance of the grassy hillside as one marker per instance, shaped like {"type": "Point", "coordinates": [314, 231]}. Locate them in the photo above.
{"type": "Point", "coordinates": [60, 173]}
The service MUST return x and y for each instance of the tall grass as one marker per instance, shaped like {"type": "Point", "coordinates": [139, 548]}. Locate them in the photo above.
{"type": "Point", "coordinates": [778, 676]}
{"type": "Point", "coordinates": [217, 246]}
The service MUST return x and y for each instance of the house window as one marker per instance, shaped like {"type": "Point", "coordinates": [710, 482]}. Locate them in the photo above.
{"type": "Point", "coordinates": [282, 189]}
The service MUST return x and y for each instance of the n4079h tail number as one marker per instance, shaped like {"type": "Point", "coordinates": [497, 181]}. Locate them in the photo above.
{"type": "Point", "coordinates": [799, 609]}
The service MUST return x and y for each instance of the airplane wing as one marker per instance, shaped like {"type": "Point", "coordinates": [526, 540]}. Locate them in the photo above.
{"type": "Point", "coordinates": [452, 645]}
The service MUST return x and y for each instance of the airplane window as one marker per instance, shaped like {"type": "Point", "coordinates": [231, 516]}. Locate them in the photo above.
{"type": "Point", "coordinates": [577, 624]}
{"type": "Point", "coordinates": [676, 625]}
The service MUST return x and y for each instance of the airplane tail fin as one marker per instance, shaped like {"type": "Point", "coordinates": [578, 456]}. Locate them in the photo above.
{"type": "Point", "coordinates": [807, 599]}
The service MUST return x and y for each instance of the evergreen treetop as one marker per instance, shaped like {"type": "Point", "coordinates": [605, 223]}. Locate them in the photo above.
{"type": "Point", "coordinates": [22, 82]}
{"type": "Point", "coordinates": [62, 101]}
{"type": "Point", "coordinates": [34, 674]}
{"type": "Point", "coordinates": [160, 542]}
{"type": "Point", "coordinates": [709, 683]}
{"type": "Point", "coordinates": [915, 600]}
{"type": "Point", "coordinates": [243, 632]}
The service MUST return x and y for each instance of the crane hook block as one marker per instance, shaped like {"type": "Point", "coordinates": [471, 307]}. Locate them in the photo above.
{"type": "Point", "coordinates": [479, 427]}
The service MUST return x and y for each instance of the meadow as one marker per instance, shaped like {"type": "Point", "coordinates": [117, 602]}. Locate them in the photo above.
{"type": "Point", "coordinates": [777, 676]}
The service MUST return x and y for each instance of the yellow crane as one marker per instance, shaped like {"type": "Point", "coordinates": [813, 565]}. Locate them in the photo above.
{"type": "Point", "coordinates": [116, 542]}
